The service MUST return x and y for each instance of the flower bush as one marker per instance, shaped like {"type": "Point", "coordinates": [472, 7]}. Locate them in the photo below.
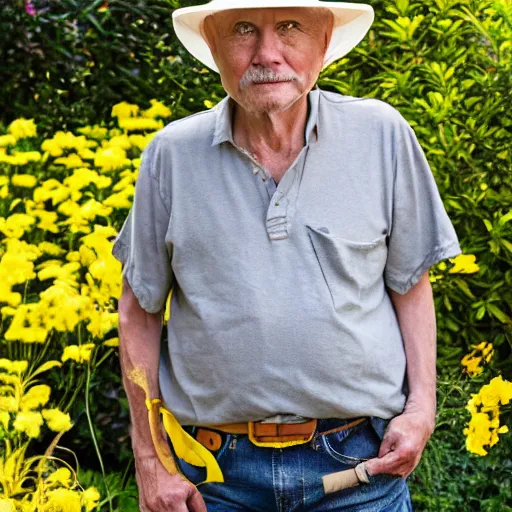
{"type": "Point", "coordinates": [59, 287]}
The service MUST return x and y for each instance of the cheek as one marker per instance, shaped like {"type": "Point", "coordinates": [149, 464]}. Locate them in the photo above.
{"type": "Point", "coordinates": [304, 54]}
{"type": "Point", "coordinates": [236, 59]}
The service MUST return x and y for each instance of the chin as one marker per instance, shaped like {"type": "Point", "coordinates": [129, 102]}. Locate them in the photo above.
{"type": "Point", "coordinates": [269, 102]}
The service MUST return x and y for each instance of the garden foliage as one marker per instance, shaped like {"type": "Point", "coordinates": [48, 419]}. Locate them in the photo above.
{"type": "Point", "coordinates": [86, 85]}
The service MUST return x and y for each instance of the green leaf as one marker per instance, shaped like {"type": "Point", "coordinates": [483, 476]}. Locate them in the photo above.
{"type": "Point", "coordinates": [506, 244]}
{"type": "Point", "coordinates": [505, 218]}
{"type": "Point", "coordinates": [464, 287]}
{"type": "Point", "coordinates": [447, 303]}
{"type": "Point", "coordinates": [451, 325]}
{"type": "Point", "coordinates": [499, 314]}
{"type": "Point", "coordinates": [480, 313]}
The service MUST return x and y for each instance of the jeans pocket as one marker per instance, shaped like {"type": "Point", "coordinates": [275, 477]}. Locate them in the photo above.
{"type": "Point", "coordinates": [349, 268]}
{"type": "Point", "coordinates": [353, 445]}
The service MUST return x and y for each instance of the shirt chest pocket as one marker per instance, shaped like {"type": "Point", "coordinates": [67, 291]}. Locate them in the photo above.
{"type": "Point", "coordinates": [350, 269]}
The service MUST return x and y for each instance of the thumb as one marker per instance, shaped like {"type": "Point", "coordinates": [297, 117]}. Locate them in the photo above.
{"type": "Point", "coordinates": [383, 464]}
{"type": "Point", "coordinates": [388, 443]}
{"type": "Point", "coordinates": [195, 502]}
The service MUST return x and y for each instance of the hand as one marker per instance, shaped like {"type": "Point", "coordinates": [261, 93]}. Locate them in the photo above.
{"type": "Point", "coordinates": [160, 491]}
{"type": "Point", "coordinates": [403, 443]}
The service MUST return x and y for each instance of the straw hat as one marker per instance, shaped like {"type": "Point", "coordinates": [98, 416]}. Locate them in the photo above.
{"type": "Point", "coordinates": [351, 23]}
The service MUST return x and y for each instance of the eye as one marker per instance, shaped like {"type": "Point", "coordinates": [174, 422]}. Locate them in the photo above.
{"type": "Point", "coordinates": [244, 28]}
{"type": "Point", "coordinates": [287, 26]}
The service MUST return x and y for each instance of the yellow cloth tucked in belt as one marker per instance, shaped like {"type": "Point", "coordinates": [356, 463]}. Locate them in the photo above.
{"type": "Point", "coordinates": [185, 446]}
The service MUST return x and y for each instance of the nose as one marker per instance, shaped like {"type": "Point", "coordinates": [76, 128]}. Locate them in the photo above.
{"type": "Point", "coordinates": [268, 51]}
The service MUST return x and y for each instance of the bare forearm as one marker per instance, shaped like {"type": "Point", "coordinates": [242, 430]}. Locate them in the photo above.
{"type": "Point", "coordinates": [139, 347]}
{"type": "Point", "coordinates": [416, 316]}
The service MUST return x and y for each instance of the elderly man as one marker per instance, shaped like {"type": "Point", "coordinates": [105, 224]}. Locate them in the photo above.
{"type": "Point", "coordinates": [295, 228]}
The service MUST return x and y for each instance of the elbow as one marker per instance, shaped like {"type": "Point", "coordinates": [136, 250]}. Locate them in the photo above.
{"type": "Point", "coordinates": [130, 310]}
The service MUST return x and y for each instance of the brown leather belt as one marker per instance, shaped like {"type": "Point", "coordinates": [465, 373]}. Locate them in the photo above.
{"type": "Point", "coordinates": [265, 432]}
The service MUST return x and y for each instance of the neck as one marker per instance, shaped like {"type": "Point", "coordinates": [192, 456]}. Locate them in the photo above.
{"type": "Point", "coordinates": [276, 132]}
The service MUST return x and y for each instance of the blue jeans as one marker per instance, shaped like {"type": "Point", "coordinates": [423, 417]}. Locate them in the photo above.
{"type": "Point", "coordinates": [290, 479]}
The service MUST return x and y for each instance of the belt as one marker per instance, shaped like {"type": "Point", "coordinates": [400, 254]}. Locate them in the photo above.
{"type": "Point", "coordinates": [273, 435]}
{"type": "Point", "coordinates": [197, 451]}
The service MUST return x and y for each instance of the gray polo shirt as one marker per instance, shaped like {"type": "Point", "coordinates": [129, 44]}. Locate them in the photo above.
{"type": "Point", "coordinates": [280, 303]}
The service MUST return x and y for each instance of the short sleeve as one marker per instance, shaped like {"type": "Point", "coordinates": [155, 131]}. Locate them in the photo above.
{"type": "Point", "coordinates": [140, 245]}
{"type": "Point", "coordinates": [421, 233]}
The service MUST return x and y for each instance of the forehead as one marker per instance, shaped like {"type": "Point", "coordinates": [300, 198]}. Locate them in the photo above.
{"type": "Point", "coordinates": [267, 15]}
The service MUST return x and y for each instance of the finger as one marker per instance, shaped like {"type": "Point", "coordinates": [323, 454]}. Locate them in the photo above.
{"type": "Point", "coordinates": [196, 502]}
{"type": "Point", "coordinates": [386, 464]}
{"type": "Point", "coordinates": [387, 445]}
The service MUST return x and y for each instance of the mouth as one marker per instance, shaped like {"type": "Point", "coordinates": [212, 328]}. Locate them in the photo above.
{"type": "Point", "coordinates": [272, 82]}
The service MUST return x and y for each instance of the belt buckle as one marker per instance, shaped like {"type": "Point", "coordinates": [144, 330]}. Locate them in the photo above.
{"type": "Point", "coordinates": [281, 435]}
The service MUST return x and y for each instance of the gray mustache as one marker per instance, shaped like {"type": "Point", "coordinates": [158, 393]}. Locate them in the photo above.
{"type": "Point", "coordinates": [255, 76]}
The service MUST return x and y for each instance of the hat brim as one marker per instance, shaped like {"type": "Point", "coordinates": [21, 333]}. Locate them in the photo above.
{"type": "Point", "coordinates": [351, 23]}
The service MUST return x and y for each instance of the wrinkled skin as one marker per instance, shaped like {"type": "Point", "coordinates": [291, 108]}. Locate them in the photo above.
{"type": "Point", "coordinates": [161, 492]}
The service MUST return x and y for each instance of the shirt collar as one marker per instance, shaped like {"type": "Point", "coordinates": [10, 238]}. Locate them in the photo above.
{"type": "Point", "coordinates": [224, 111]}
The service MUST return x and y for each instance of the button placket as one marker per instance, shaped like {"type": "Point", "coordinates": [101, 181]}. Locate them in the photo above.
{"type": "Point", "coordinates": [282, 204]}
{"type": "Point", "coordinates": [278, 212]}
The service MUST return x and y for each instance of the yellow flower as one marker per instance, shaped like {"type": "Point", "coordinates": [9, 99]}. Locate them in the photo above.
{"type": "Point", "coordinates": [29, 422]}
{"type": "Point", "coordinates": [464, 264]}
{"type": "Point", "coordinates": [119, 141]}
{"type": "Point", "coordinates": [484, 426]}
{"type": "Point", "coordinates": [56, 420]}
{"type": "Point", "coordinates": [18, 367]}
{"type": "Point", "coordinates": [28, 324]}
{"type": "Point", "coordinates": [472, 364]}
{"type": "Point", "coordinates": [121, 199]}
{"type": "Point", "coordinates": [101, 322]}
{"type": "Point", "coordinates": [52, 147]}
{"type": "Point", "coordinates": [140, 123]}
{"type": "Point", "coordinates": [497, 388]}
{"type": "Point", "coordinates": [71, 161]}
{"type": "Point", "coordinates": [4, 420]}
{"type": "Point", "coordinates": [35, 396]}
{"type": "Point", "coordinates": [62, 500]}
{"type": "Point", "coordinates": [8, 403]}
{"type": "Point", "coordinates": [157, 109]}
{"type": "Point", "coordinates": [140, 141]}
{"type": "Point", "coordinates": [6, 140]}
{"type": "Point", "coordinates": [21, 128]}
{"type": "Point", "coordinates": [478, 434]}
{"type": "Point", "coordinates": [482, 351]}
{"type": "Point", "coordinates": [16, 225]}
{"type": "Point", "coordinates": [111, 158]}
{"type": "Point", "coordinates": [112, 342]}
{"type": "Point", "coordinates": [90, 498]}
{"type": "Point", "coordinates": [26, 156]}
{"type": "Point", "coordinates": [51, 248]}
{"type": "Point", "coordinates": [124, 109]}
{"type": "Point", "coordinates": [60, 477]}
{"type": "Point", "coordinates": [94, 132]}
{"type": "Point", "coordinates": [24, 180]}
{"type": "Point", "coordinates": [64, 307]}
{"type": "Point", "coordinates": [77, 353]}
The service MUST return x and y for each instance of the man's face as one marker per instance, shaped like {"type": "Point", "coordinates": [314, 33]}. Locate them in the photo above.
{"type": "Point", "coordinates": [268, 58]}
